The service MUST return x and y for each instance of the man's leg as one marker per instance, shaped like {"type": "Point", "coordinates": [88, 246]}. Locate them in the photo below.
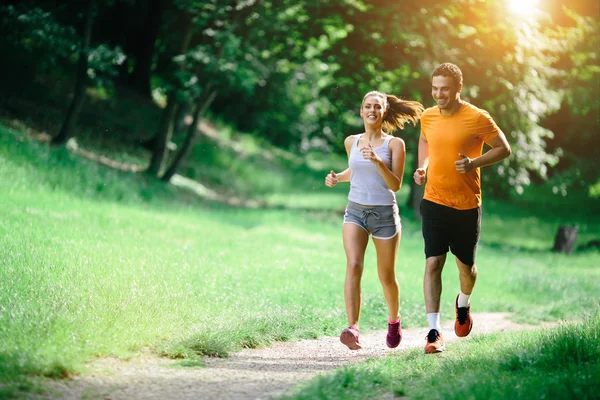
{"type": "Point", "coordinates": [432, 288]}
{"type": "Point", "coordinates": [436, 227]}
{"type": "Point", "coordinates": [432, 282]}
{"type": "Point", "coordinates": [468, 276]}
{"type": "Point", "coordinates": [464, 247]}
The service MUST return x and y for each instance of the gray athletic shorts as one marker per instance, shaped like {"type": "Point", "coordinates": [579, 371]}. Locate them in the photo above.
{"type": "Point", "coordinates": [383, 222]}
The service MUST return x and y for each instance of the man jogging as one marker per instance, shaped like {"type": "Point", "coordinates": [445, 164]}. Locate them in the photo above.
{"type": "Point", "coordinates": [450, 154]}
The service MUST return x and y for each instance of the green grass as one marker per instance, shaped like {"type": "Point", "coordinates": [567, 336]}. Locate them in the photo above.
{"type": "Point", "coordinates": [528, 226]}
{"type": "Point", "coordinates": [97, 262]}
{"type": "Point", "coordinates": [557, 363]}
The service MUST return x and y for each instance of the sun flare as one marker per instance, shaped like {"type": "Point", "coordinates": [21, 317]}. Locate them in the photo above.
{"type": "Point", "coordinates": [523, 7]}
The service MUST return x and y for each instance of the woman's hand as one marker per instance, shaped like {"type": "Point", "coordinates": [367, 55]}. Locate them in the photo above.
{"type": "Point", "coordinates": [331, 179]}
{"type": "Point", "coordinates": [369, 154]}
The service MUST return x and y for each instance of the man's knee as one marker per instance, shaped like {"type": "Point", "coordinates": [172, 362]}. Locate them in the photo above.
{"type": "Point", "coordinates": [468, 268]}
{"type": "Point", "coordinates": [434, 265]}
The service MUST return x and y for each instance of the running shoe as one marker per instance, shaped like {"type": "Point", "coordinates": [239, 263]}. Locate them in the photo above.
{"type": "Point", "coordinates": [349, 337]}
{"type": "Point", "coordinates": [435, 342]}
{"type": "Point", "coordinates": [394, 334]}
{"type": "Point", "coordinates": [464, 322]}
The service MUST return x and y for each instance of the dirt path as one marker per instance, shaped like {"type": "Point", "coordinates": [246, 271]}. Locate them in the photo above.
{"type": "Point", "coordinates": [249, 374]}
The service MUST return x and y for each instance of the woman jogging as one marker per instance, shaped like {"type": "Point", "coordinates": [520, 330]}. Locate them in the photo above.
{"type": "Point", "coordinates": [375, 170]}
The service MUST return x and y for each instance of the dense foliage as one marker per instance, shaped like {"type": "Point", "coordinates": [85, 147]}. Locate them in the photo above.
{"type": "Point", "coordinates": [294, 72]}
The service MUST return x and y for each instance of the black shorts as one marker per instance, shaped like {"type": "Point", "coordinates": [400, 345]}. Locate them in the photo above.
{"type": "Point", "coordinates": [448, 228]}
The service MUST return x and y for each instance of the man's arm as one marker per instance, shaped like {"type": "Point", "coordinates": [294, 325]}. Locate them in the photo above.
{"type": "Point", "coordinates": [500, 149]}
{"type": "Point", "coordinates": [423, 152]}
{"type": "Point", "coordinates": [419, 175]}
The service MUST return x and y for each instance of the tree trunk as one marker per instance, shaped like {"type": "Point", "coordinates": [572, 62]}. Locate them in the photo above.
{"type": "Point", "coordinates": [416, 195]}
{"type": "Point", "coordinates": [208, 95]}
{"type": "Point", "coordinates": [143, 49]}
{"type": "Point", "coordinates": [81, 80]}
{"type": "Point", "coordinates": [158, 143]}
{"type": "Point", "coordinates": [184, 109]}
{"type": "Point", "coordinates": [565, 239]}
{"type": "Point", "coordinates": [416, 191]}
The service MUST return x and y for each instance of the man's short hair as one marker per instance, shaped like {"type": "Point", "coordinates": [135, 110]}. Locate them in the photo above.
{"type": "Point", "coordinates": [449, 69]}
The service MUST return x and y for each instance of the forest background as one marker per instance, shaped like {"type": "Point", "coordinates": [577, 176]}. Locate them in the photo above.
{"type": "Point", "coordinates": [292, 73]}
{"type": "Point", "coordinates": [162, 161]}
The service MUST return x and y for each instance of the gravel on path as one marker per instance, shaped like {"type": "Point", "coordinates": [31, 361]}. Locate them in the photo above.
{"type": "Point", "coordinates": [251, 374]}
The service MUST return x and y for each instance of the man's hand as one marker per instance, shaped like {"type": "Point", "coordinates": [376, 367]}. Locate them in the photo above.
{"type": "Point", "coordinates": [419, 176]}
{"type": "Point", "coordinates": [464, 165]}
{"type": "Point", "coordinates": [331, 179]}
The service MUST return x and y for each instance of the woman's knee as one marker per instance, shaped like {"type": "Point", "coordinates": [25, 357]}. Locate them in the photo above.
{"type": "Point", "coordinates": [354, 268]}
{"type": "Point", "coordinates": [388, 280]}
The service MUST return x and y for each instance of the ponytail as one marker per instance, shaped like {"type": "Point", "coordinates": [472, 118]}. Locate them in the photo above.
{"type": "Point", "coordinates": [399, 112]}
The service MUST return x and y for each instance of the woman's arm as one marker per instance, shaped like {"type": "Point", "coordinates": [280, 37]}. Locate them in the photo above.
{"type": "Point", "coordinates": [393, 177]}
{"type": "Point", "coordinates": [332, 178]}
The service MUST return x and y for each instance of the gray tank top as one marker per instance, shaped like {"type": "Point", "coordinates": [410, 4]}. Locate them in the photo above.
{"type": "Point", "coordinates": [367, 186]}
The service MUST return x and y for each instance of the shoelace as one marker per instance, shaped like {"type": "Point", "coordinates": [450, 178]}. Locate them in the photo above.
{"type": "Point", "coordinates": [432, 336]}
{"type": "Point", "coordinates": [368, 212]}
{"type": "Point", "coordinates": [463, 315]}
{"type": "Point", "coordinates": [393, 329]}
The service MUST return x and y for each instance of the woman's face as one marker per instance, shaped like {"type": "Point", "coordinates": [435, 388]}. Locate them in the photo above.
{"type": "Point", "coordinates": [372, 110]}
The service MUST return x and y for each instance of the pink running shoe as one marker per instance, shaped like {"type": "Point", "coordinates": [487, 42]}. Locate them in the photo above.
{"type": "Point", "coordinates": [349, 337]}
{"type": "Point", "coordinates": [394, 335]}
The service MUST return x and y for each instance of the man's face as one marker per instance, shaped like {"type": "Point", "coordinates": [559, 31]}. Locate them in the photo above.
{"type": "Point", "coordinates": [445, 91]}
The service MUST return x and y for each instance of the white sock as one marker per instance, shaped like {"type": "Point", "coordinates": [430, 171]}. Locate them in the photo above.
{"type": "Point", "coordinates": [434, 321]}
{"type": "Point", "coordinates": [463, 299]}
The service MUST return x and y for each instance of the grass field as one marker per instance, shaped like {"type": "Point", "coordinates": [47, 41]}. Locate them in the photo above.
{"type": "Point", "coordinates": [558, 363]}
{"type": "Point", "coordinates": [98, 262]}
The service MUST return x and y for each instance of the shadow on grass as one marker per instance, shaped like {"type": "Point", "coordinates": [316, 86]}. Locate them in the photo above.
{"type": "Point", "coordinates": [590, 247]}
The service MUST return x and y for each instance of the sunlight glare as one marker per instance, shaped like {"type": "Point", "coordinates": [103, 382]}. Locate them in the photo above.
{"type": "Point", "coordinates": [523, 7]}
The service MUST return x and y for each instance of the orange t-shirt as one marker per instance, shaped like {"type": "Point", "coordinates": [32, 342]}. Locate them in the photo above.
{"type": "Point", "coordinates": [463, 132]}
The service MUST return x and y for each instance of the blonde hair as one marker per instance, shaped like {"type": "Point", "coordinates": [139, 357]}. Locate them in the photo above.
{"type": "Point", "coordinates": [397, 111]}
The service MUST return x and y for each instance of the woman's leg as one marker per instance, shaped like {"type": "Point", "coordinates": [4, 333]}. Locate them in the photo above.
{"type": "Point", "coordinates": [387, 251]}
{"type": "Point", "coordinates": [355, 244]}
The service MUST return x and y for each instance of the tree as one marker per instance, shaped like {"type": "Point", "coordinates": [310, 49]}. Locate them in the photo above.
{"type": "Point", "coordinates": [142, 24]}
{"type": "Point", "coordinates": [507, 63]}
{"type": "Point", "coordinates": [230, 52]}
{"type": "Point", "coordinates": [294, 71]}
{"type": "Point", "coordinates": [224, 46]}
{"type": "Point", "coordinates": [204, 100]}
{"type": "Point", "coordinates": [158, 144]}
{"type": "Point", "coordinates": [577, 122]}
{"type": "Point", "coordinates": [81, 79]}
